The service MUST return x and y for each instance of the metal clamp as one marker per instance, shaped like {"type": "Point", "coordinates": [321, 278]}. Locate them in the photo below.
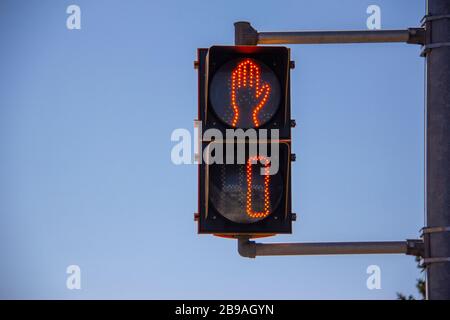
{"type": "Point", "coordinates": [428, 47]}
{"type": "Point", "coordinates": [415, 247]}
{"type": "Point", "coordinates": [427, 230]}
{"type": "Point", "coordinates": [416, 36]}
{"type": "Point", "coordinates": [427, 18]}
{"type": "Point", "coordinates": [431, 230]}
{"type": "Point", "coordinates": [427, 261]}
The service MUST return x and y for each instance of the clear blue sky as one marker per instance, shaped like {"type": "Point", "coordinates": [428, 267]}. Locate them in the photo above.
{"type": "Point", "coordinates": [85, 171]}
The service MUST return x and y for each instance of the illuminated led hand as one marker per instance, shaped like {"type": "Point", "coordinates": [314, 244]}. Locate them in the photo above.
{"type": "Point", "coordinates": [266, 211]}
{"type": "Point", "coordinates": [247, 74]}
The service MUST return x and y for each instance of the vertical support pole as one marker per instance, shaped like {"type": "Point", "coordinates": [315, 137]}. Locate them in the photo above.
{"type": "Point", "coordinates": [437, 244]}
{"type": "Point", "coordinates": [244, 34]}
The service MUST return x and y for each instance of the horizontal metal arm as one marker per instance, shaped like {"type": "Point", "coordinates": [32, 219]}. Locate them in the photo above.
{"type": "Point", "coordinates": [318, 37]}
{"type": "Point", "coordinates": [250, 249]}
{"type": "Point", "coordinates": [245, 34]}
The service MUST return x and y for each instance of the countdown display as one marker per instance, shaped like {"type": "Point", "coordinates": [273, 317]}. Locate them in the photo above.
{"type": "Point", "coordinates": [245, 193]}
{"type": "Point", "coordinates": [245, 93]}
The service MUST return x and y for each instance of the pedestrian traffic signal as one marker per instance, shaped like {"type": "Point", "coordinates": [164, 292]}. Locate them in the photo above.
{"type": "Point", "coordinates": [245, 87]}
{"type": "Point", "coordinates": [245, 161]}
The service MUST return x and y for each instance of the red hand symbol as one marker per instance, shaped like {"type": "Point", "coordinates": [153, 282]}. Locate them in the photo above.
{"type": "Point", "coordinates": [247, 75]}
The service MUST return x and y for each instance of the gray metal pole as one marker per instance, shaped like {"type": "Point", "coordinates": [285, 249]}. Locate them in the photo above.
{"type": "Point", "coordinates": [245, 34]}
{"type": "Point", "coordinates": [250, 249]}
{"type": "Point", "coordinates": [437, 234]}
{"type": "Point", "coordinates": [323, 37]}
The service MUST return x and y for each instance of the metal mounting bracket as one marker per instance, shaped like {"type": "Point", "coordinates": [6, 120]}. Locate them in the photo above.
{"type": "Point", "coordinates": [251, 249]}
{"type": "Point", "coordinates": [433, 230]}
{"type": "Point", "coordinates": [245, 34]}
